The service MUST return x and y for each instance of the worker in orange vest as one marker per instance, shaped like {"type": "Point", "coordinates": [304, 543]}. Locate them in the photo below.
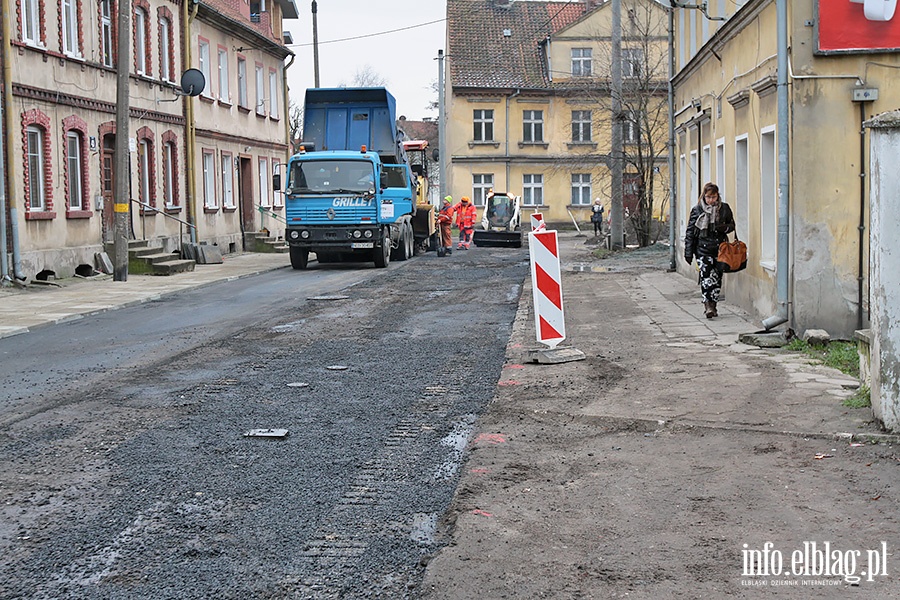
{"type": "Point", "coordinates": [465, 219]}
{"type": "Point", "coordinates": [445, 223]}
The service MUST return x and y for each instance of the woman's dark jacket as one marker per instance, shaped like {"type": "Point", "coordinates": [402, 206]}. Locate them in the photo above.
{"type": "Point", "coordinates": [706, 243]}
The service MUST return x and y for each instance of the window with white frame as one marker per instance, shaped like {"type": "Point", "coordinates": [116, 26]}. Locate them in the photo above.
{"type": "Point", "coordinates": [224, 93]}
{"type": "Point", "coordinates": [209, 181]}
{"type": "Point", "coordinates": [483, 120]}
{"type": "Point", "coordinates": [581, 188]}
{"type": "Point", "coordinates": [742, 185]}
{"type": "Point", "coordinates": [482, 183]}
{"type": "Point", "coordinates": [205, 66]}
{"type": "Point", "coordinates": [169, 175]}
{"type": "Point", "coordinates": [36, 182]}
{"type": "Point", "coordinates": [242, 83]}
{"type": "Point", "coordinates": [532, 189]}
{"type": "Point", "coordinates": [106, 29]}
{"type": "Point", "coordinates": [532, 126]}
{"type": "Point", "coordinates": [140, 40]}
{"type": "Point", "coordinates": [227, 181]}
{"type": "Point", "coordinates": [264, 182]}
{"type": "Point", "coordinates": [166, 63]}
{"type": "Point", "coordinates": [260, 91]}
{"type": "Point", "coordinates": [277, 195]}
{"type": "Point", "coordinates": [31, 22]}
{"type": "Point", "coordinates": [581, 62]}
{"type": "Point", "coordinates": [145, 156]}
{"type": "Point", "coordinates": [69, 27]}
{"type": "Point", "coordinates": [581, 126]}
{"type": "Point", "coordinates": [632, 59]}
{"type": "Point", "coordinates": [631, 127]}
{"type": "Point", "coordinates": [74, 171]}
{"type": "Point", "coordinates": [768, 191]}
{"type": "Point", "coordinates": [273, 94]}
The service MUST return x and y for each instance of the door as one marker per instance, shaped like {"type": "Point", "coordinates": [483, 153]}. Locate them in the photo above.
{"type": "Point", "coordinates": [248, 208]}
{"type": "Point", "coordinates": [108, 186]}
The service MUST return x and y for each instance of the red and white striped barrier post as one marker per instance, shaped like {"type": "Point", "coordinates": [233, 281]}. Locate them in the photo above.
{"type": "Point", "coordinates": [537, 222]}
{"type": "Point", "coordinates": [546, 284]}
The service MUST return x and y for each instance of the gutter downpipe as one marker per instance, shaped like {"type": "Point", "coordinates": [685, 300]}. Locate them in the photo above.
{"type": "Point", "coordinates": [287, 108]}
{"type": "Point", "coordinates": [673, 197]}
{"type": "Point", "coordinates": [9, 201]}
{"type": "Point", "coordinates": [189, 120]}
{"type": "Point", "coordinates": [783, 248]}
{"type": "Point", "coordinates": [508, 98]}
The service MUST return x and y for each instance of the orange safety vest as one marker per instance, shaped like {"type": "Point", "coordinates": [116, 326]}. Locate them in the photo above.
{"type": "Point", "coordinates": [445, 215]}
{"type": "Point", "coordinates": [465, 215]}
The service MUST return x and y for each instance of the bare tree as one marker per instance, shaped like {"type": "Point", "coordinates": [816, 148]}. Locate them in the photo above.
{"type": "Point", "coordinates": [366, 76]}
{"type": "Point", "coordinates": [295, 120]}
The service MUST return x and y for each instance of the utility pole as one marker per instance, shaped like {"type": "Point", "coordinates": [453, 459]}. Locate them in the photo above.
{"type": "Point", "coordinates": [616, 206]}
{"type": "Point", "coordinates": [315, 11]}
{"type": "Point", "coordinates": [442, 126]}
{"type": "Point", "coordinates": [122, 201]}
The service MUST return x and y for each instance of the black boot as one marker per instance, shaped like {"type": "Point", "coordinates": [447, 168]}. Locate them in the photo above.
{"type": "Point", "coordinates": [715, 311]}
{"type": "Point", "coordinates": [709, 309]}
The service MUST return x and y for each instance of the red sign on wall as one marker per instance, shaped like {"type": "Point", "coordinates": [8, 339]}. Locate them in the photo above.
{"type": "Point", "coordinates": [858, 25]}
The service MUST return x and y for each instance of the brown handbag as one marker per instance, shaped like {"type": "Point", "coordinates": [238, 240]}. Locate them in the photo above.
{"type": "Point", "coordinates": [732, 255]}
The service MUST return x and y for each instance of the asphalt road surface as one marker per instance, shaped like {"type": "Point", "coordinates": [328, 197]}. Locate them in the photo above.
{"type": "Point", "coordinates": [126, 471]}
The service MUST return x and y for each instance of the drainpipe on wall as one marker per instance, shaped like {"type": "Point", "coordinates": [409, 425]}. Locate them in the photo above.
{"type": "Point", "coordinates": [673, 198]}
{"type": "Point", "coordinates": [287, 109]}
{"type": "Point", "coordinates": [784, 213]}
{"type": "Point", "coordinates": [508, 98]}
{"type": "Point", "coordinates": [191, 188]}
{"type": "Point", "coordinates": [9, 185]}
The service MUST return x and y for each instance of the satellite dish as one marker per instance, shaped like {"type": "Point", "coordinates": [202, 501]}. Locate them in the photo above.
{"type": "Point", "coordinates": [193, 82]}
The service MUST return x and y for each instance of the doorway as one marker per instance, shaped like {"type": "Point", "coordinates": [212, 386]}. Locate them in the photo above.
{"type": "Point", "coordinates": [248, 209]}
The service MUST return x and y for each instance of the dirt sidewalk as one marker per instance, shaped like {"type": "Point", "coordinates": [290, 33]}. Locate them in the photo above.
{"type": "Point", "coordinates": [662, 465]}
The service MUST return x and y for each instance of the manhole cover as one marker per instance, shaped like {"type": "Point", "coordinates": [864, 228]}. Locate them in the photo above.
{"type": "Point", "coordinates": [298, 384]}
{"type": "Point", "coordinates": [337, 367]}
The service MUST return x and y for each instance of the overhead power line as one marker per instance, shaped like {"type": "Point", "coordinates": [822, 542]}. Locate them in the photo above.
{"type": "Point", "coordinates": [368, 35]}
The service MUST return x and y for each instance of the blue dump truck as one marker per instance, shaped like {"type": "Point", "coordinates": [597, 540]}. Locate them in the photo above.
{"type": "Point", "coordinates": [351, 194]}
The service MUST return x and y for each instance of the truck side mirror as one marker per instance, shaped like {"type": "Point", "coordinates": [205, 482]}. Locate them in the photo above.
{"type": "Point", "coordinates": [276, 182]}
{"type": "Point", "coordinates": [383, 180]}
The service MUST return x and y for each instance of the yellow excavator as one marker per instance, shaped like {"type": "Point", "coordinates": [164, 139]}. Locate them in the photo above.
{"type": "Point", "coordinates": [423, 218]}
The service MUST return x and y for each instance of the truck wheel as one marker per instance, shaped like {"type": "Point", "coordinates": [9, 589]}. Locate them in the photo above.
{"type": "Point", "coordinates": [382, 256]}
{"type": "Point", "coordinates": [299, 258]}
{"type": "Point", "coordinates": [405, 248]}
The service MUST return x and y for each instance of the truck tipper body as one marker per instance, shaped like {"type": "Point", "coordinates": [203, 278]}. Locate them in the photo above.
{"type": "Point", "coordinates": [351, 194]}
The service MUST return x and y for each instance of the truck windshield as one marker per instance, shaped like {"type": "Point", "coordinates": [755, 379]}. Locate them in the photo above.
{"type": "Point", "coordinates": [331, 177]}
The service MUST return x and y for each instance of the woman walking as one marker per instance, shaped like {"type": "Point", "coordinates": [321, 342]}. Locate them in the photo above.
{"type": "Point", "coordinates": [710, 223]}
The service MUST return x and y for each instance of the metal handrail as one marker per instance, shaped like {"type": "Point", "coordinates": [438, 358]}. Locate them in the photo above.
{"type": "Point", "coordinates": [168, 216]}
{"type": "Point", "coordinates": [267, 211]}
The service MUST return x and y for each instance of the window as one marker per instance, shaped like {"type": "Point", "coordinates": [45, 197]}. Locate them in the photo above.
{"type": "Point", "coordinates": [166, 44]}
{"type": "Point", "coordinates": [533, 126]}
{"type": "Point", "coordinates": [742, 185]}
{"type": "Point", "coordinates": [169, 175]}
{"type": "Point", "coordinates": [581, 126]}
{"type": "Point", "coordinates": [146, 174]}
{"type": "Point", "coordinates": [264, 182]}
{"type": "Point", "coordinates": [260, 91]}
{"type": "Point", "coordinates": [140, 41]}
{"type": "Point", "coordinates": [242, 83]}
{"type": "Point", "coordinates": [273, 94]}
{"type": "Point", "coordinates": [481, 185]}
{"type": "Point", "coordinates": [484, 125]}
{"type": "Point", "coordinates": [768, 190]}
{"type": "Point", "coordinates": [74, 171]}
{"type": "Point", "coordinates": [631, 129]}
{"type": "Point", "coordinates": [277, 195]}
{"type": "Point", "coordinates": [227, 181]}
{"type": "Point", "coordinates": [533, 190]}
{"type": "Point", "coordinates": [224, 93]}
{"type": "Point", "coordinates": [581, 62]}
{"type": "Point", "coordinates": [106, 29]}
{"type": "Point", "coordinates": [632, 59]}
{"type": "Point", "coordinates": [205, 67]}
{"type": "Point", "coordinates": [31, 22]}
{"type": "Point", "coordinates": [581, 188]}
{"type": "Point", "coordinates": [209, 181]}
{"type": "Point", "coordinates": [36, 182]}
{"type": "Point", "coordinates": [69, 27]}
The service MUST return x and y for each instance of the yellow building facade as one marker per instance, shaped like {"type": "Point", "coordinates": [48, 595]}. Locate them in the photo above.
{"type": "Point", "coordinates": [528, 103]}
{"type": "Point", "coordinates": [727, 120]}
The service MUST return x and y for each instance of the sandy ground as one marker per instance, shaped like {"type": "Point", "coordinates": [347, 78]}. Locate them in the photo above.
{"type": "Point", "coordinates": [673, 462]}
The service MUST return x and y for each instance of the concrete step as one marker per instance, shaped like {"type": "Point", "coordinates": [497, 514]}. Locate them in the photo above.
{"type": "Point", "coordinates": [170, 267]}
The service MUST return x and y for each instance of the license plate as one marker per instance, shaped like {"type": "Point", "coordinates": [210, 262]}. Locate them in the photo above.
{"type": "Point", "coordinates": [358, 245]}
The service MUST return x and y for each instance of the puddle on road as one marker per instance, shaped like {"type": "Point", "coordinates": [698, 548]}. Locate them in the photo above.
{"type": "Point", "coordinates": [424, 528]}
{"type": "Point", "coordinates": [456, 441]}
